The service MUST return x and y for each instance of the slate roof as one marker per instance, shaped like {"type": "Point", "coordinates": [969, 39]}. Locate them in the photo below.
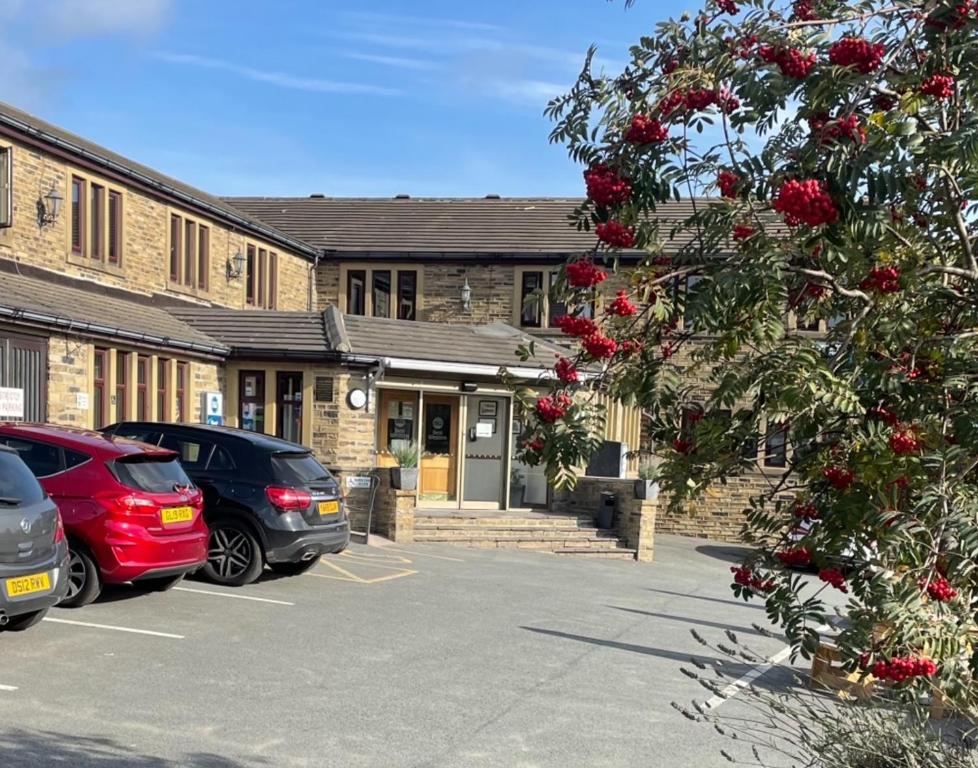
{"type": "Point", "coordinates": [51, 304]}
{"type": "Point", "coordinates": [97, 155]}
{"type": "Point", "coordinates": [260, 332]}
{"type": "Point", "coordinates": [446, 227]}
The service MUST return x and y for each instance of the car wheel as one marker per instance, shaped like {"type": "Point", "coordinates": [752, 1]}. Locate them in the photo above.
{"type": "Point", "coordinates": [84, 582]}
{"type": "Point", "coordinates": [234, 555]}
{"type": "Point", "coordinates": [25, 621]}
{"type": "Point", "coordinates": [293, 569]}
{"type": "Point", "coordinates": [160, 584]}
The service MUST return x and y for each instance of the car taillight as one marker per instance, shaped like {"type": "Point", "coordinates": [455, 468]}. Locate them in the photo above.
{"type": "Point", "coordinates": [129, 504]}
{"type": "Point", "coordinates": [288, 499]}
{"type": "Point", "coordinates": [59, 530]}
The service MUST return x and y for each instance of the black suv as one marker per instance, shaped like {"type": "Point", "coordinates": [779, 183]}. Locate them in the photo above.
{"type": "Point", "coordinates": [265, 500]}
{"type": "Point", "coordinates": [33, 549]}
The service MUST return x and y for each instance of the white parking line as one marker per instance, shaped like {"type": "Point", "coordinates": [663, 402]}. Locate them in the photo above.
{"type": "Point", "coordinates": [115, 629]}
{"type": "Point", "coordinates": [233, 597]}
{"type": "Point", "coordinates": [9, 688]}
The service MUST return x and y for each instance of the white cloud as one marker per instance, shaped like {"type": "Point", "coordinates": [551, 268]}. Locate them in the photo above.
{"type": "Point", "coordinates": [421, 21]}
{"type": "Point", "coordinates": [399, 62]}
{"type": "Point", "coordinates": [537, 92]}
{"type": "Point", "coordinates": [68, 19]}
{"type": "Point", "coordinates": [278, 79]}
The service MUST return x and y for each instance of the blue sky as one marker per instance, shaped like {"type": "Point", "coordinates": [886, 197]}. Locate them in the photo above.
{"type": "Point", "coordinates": [343, 97]}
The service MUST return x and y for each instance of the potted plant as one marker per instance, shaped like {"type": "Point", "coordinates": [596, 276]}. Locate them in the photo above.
{"type": "Point", "coordinates": [517, 484]}
{"type": "Point", "coordinates": [404, 476]}
{"type": "Point", "coordinates": [646, 487]}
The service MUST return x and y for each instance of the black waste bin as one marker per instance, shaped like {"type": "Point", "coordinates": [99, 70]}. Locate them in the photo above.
{"type": "Point", "coordinates": [607, 510]}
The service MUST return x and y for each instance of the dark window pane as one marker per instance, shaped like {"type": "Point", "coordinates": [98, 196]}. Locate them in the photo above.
{"type": "Point", "coordinates": [6, 187]}
{"type": "Point", "coordinates": [220, 460]}
{"type": "Point", "coordinates": [193, 453]}
{"type": "Point", "coordinates": [272, 280]}
{"type": "Point", "coordinates": [163, 390]}
{"type": "Point", "coordinates": [189, 252]}
{"type": "Point", "coordinates": [689, 314]}
{"type": "Point", "coordinates": [122, 385]}
{"type": "Point", "coordinates": [77, 215]}
{"type": "Point", "coordinates": [17, 481]}
{"type": "Point", "coordinates": [407, 295]}
{"type": "Point", "coordinates": [203, 256]}
{"type": "Point", "coordinates": [290, 407]}
{"type": "Point", "coordinates": [42, 459]}
{"type": "Point", "coordinates": [98, 221]}
{"type": "Point", "coordinates": [381, 293]}
{"type": "Point", "coordinates": [250, 275]}
{"type": "Point", "coordinates": [150, 473]}
{"type": "Point", "coordinates": [530, 300]}
{"type": "Point", "coordinates": [557, 308]}
{"type": "Point", "coordinates": [74, 458]}
{"type": "Point", "coordinates": [356, 282]}
{"type": "Point", "coordinates": [776, 447]}
{"type": "Point", "coordinates": [298, 469]}
{"type": "Point", "coordinates": [260, 279]}
{"type": "Point", "coordinates": [251, 396]}
{"type": "Point", "coordinates": [176, 231]}
{"type": "Point", "coordinates": [115, 227]}
{"type": "Point", "coordinates": [181, 391]}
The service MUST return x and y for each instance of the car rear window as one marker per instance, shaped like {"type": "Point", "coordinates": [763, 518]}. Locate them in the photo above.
{"type": "Point", "coordinates": [152, 474]}
{"type": "Point", "coordinates": [17, 483]}
{"type": "Point", "coordinates": [299, 469]}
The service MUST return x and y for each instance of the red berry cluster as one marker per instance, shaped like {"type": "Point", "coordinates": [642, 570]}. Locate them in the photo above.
{"type": "Point", "coordinates": [964, 12]}
{"type": "Point", "coordinates": [535, 445]}
{"type": "Point", "coordinates": [743, 232]}
{"type": "Point", "coordinates": [941, 590]}
{"type": "Point", "coordinates": [578, 327]}
{"type": "Point", "coordinates": [584, 274]}
{"type": "Point", "coordinates": [553, 407]}
{"type": "Point", "coordinates": [745, 576]}
{"type": "Point", "coordinates": [605, 187]}
{"type": "Point", "coordinates": [667, 351]}
{"type": "Point", "coordinates": [839, 478]}
{"type": "Point", "coordinates": [904, 443]}
{"type": "Point", "coordinates": [882, 280]}
{"type": "Point", "coordinates": [885, 415]}
{"type": "Point", "coordinates": [884, 102]}
{"type": "Point", "coordinates": [566, 371]}
{"type": "Point", "coordinates": [670, 66]}
{"type": "Point", "coordinates": [805, 11]}
{"type": "Point", "coordinates": [599, 346]}
{"type": "Point", "coordinates": [939, 86]}
{"type": "Point", "coordinates": [646, 130]}
{"type": "Point", "coordinates": [622, 306]}
{"type": "Point", "coordinates": [835, 577]}
{"type": "Point", "coordinates": [807, 511]}
{"type": "Point", "coordinates": [683, 446]}
{"type": "Point", "coordinates": [742, 48]}
{"type": "Point", "coordinates": [727, 182]}
{"type": "Point", "coordinates": [697, 99]}
{"type": "Point", "coordinates": [815, 290]}
{"type": "Point", "coordinates": [849, 127]}
{"type": "Point", "coordinates": [901, 668]}
{"type": "Point", "coordinates": [630, 347]}
{"type": "Point", "coordinates": [857, 52]}
{"type": "Point", "coordinates": [673, 101]}
{"type": "Point", "coordinates": [728, 6]}
{"type": "Point", "coordinates": [615, 234]}
{"type": "Point", "coordinates": [805, 202]}
{"type": "Point", "coordinates": [797, 557]}
{"type": "Point", "coordinates": [791, 61]}
{"type": "Point", "coordinates": [727, 101]}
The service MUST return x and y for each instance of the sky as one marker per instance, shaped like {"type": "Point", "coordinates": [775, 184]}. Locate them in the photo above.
{"type": "Point", "coordinates": [339, 97]}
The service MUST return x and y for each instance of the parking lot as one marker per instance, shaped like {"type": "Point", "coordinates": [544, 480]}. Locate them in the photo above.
{"type": "Point", "coordinates": [394, 656]}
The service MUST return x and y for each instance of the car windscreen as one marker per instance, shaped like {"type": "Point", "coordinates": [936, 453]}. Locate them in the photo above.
{"type": "Point", "coordinates": [152, 474]}
{"type": "Point", "coordinates": [299, 469]}
{"type": "Point", "coordinates": [17, 483]}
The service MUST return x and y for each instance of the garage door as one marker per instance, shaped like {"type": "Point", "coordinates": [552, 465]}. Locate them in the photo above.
{"type": "Point", "coordinates": [23, 365]}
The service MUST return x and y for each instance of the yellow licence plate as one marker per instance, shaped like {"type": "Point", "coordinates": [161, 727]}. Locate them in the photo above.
{"type": "Point", "coordinates": [28, 585]}
{"type": "Point", "coordinates": [177, 515]}
{"type": "Point", "coordinates": [329, 507]}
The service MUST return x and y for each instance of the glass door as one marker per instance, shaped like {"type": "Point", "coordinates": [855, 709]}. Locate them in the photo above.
{"type": "Point", "coordinates": [289, 407]}
{"type": "Point", "coordinates": [485, 440]}
{"type": "Point", "coordinates": [438, 484]}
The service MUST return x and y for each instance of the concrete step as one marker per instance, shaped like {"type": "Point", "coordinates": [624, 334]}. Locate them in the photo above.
{"type": "Point", "coordinates": [622, 553]}
{"type": "Point", "coordinates": [463, 532]}
{"type": "Point", "coordinates": [557, 545]}
{"type": "Point", "coordinates": [495, 522]}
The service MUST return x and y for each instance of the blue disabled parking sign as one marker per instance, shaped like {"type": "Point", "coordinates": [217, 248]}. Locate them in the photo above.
{"type": "Point", "coordinates": [213, 408]}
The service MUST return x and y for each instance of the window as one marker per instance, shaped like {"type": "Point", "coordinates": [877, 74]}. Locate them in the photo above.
{"type": "Point", "coordinates": [6, 187]}
{"type": "Point", "coordinates": [557, 308]}
{"type": "Point", "coordinates": [163, 389]}
{"type": "Point", "coordinates": [220, 461]}
{"type": "Point", "coordinates": [77, 215]}
{"type": "Point", "coordinates": [42, 459]}
{"type": "Point", "coordinates": [17, 481]}
{"type": "Point", "coordinates": [142, 386]}
{"type": "Point", "coordinates": [175, 241]}
{"type": "Point", "coordinates": [407, 295]}
{"type": "Point", "coordinates": [98, 221]}
{"type": "Point", "coordinates": [250, 275]}
{"type": "Point", "coordinates": [776, 446]}
{"type": "Point", "coordinates": [272, 280]}
{"type": "Point", "coordinates": [115, 227]}
{"type": "Point", "coordinates": [122, 386]}
{"type": "Point", "coordinates": [381, 291]}
{"type": "Point", "coordinates": [194, 453]}
{"type": "Point", "coordinates": [534, 307]}
{"type": "Point", "coordinates": [153, 474]}
{"type": "Point", "coordinates": [289, 401]}
{"type": "Point", "coordinates": [531, 301]}
{"type": "Point", "coordinates": [690, 313]}
{"type": "Point", "coordinates": [251, 396]}
{"type": "Point", "coordinates": [810, 324]}
{"type": "Point", "coordinates": [189, 251]}
{"type": "Point", "coordinates": [356, 303]}
{"type": "Point", "coordinates": [99, 401]}
{"type": "Point", "coordinates": [203, 256]}
{"type": "Point", "coordinates": [262, 262]}
{"type": "Point", "coordinates": [182, 384]}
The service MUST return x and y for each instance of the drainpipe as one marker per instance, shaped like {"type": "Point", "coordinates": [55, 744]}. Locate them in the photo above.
{"type": "Point", "coordinates": [312, 277]}
{"type": "Point", "coordinates": [374, 373]}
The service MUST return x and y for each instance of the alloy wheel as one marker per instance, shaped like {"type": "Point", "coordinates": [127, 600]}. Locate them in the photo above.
{"type": "Point", "coordinates": [230, 552]}
{"type": "Point", "coordinates": [77, 576]}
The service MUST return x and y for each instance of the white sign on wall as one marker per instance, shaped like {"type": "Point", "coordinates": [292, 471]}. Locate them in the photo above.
{"type": "Point", "coordinates": [11, 403]}
{"type": "Point", "coordinates": [357, 481]}
{"type": "Point", "coordinates": [212, 408]}
{"type": "Point", "coordinates": [81, 401]}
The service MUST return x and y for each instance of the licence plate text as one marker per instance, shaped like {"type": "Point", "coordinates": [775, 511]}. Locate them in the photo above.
{"type": "Point", "coordinates": [329, 507]}
{"type": "Point", "coordinates": [20, 586]}
{"type": "Point", "coordinates": [177, 515]}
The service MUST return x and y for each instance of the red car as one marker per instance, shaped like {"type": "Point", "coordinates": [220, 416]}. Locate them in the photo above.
{"type": "Point", "coordinates": [130, 511]}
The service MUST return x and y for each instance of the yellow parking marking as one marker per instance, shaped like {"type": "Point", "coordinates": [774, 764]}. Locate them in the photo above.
{"type": "Point", "coordinates": [114, 628]}
{"type": "Point", "coordinates": [364, 556]}
{"type": "Point", "coordinates": [349, 576]}
{"type": "Point", "coordinates": [345, 575]}
{"type": "Point", "coordinates": [387, 566]}
{"type": "Point", "coordinates": [427, 554]}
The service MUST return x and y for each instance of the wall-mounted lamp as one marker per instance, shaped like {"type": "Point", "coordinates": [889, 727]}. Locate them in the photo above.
{"type": "Point", "coordinates": [49, 206]}
{"type": "Point", "coordinates": [235, 266]}
{"type": "Point", "coordinates": [466, 296]}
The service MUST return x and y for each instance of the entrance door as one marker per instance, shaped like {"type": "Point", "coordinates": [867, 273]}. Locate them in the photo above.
{"type": "Point", "coordinates": [439, 450]}
{"type": "Point", "coordinates": [486, 433]}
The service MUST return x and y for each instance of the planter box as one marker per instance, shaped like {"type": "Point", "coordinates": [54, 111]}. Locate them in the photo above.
{"type": "Point", "coordinates": [404, 479]}
{"type": "Point", "coordinates": [646, 489]}
{"type": "Point", "coordinates": [516, 496]}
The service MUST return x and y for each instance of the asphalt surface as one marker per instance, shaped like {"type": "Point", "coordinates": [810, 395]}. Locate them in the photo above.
{"type": "Point", "coordinates": [416, 656]}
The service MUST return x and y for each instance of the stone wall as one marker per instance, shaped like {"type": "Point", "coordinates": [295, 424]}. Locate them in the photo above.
{"type": "Point", "coordinates": [69, 371]}
{"type": "Point", "coordinates": [144, 267]}
{"type": "Point", "coordinates": [394, 511]}
{"type": "Point", "coordinates": [636, 521]}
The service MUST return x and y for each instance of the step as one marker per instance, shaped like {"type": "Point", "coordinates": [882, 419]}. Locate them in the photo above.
{"type": "Point", "coordinates": [623, 553]}
{"type": "Point", "coordinates": [547, 546]}
{"type": "Point", "coordinates": [452, 532]}
{"type": "Point", "coordinates": [503, 522]}
{"type": "Point", "coordinates": [516, 540]}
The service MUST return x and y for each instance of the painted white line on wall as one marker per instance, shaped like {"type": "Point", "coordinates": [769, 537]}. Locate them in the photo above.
{"type": "Point", "coordinates": [749, 677]}
{"type": "Point", "coordinates": [233, 597]}
{"type": "Point", "coordinates": [115, 629]}
{"type": "Point", "coordinates": [8, 688]}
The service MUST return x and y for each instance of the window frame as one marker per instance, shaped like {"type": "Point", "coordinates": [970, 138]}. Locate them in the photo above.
{"type": "Point", "coordinates": [258, 399]}
{"type": "Point", "coordinates": [180, 406]}
{"type": "Point", "coordinates": [399, 296]}
{"type": "Point", "coordinates": [80, 215]}
{"type": "Point", "coordinates": [350, 271]}
{"type": "Point", "coordinates": [100, 405]}
{"type": "Point", "coordinates": [113, 251]}
{"type": "Point", "coordinates": [122, 384]}
{"type": "Point", "coordinates": [549, 275]}
{"type": "Point", "coordinates": [189, 252]}
{"type": "Point", "coordinates": [144, 372]}
{"type": "Point", "coordinates": [188, 246]}
{"type": "Point", "coordinates": [6, 186]}
{"type": "Point", "coordinates": [96, 230]}
{"type": "Point", "coordinates": [162, 393]}
{"type": "Point", "coordinates": [203, 256]}
{"type": "Point", "coordinates": [97, 214]}
{"type": "Point", "coordinates": [771, 431]}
